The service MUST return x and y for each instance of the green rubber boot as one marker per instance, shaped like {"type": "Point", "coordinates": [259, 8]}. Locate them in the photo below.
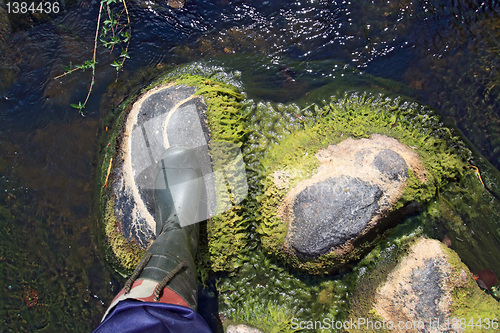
{"type": "Point", "coordinates": [178, 193]}
{"type": "Point", "coordinates": [167, 272]}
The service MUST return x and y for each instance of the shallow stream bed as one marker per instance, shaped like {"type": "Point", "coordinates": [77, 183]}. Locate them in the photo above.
{"type": "Point", "coordinates": [53, 276]}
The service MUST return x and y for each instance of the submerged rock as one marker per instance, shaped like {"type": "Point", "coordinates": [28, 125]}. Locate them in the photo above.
{"type": "Point", "coordinates": [353, 190]}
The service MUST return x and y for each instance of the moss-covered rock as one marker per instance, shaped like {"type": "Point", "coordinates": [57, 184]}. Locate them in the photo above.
{"type": "Point", "coordinates": [430, 289]}
{"type": "Point", "coordinates": [442, 155]}
{"type": "Point", "coordinates": [356, 185]}
{"type": "Point", "coordinates": [226, 232]}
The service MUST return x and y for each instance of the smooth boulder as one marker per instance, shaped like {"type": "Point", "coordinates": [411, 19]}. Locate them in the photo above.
{"type": "Point", "coordinates": [354, 189]}
{"type": "Point", "coordinates": [329, 213]}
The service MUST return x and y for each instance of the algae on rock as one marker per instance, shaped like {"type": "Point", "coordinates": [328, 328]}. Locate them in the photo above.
{"type": "Point", "coordinates": [441, 152]}
{"type": "Point", "coordinates": [426, 286]}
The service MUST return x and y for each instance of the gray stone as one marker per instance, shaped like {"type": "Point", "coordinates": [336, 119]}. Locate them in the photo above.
{"type": "Point", "coordinates": [329, 213]}
{"type": "Point", "coordinates": [419, 289]}
{"type": "Point", "coordinates": [172, 116]}
{"type": "Point", "coordinates": [391, 164]}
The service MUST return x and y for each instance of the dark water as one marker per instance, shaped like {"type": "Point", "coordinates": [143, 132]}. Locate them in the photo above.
{"type": "Point", "coordinates": [52, 277]}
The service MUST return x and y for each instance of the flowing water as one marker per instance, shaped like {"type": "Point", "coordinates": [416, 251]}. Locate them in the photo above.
{"type": "Point", "coordinates": [52, 276]}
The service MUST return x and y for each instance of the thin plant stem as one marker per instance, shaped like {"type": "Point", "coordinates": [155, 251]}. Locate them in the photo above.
{"type": "Point", "coordinates": [68, 72]}
{"type": "Point", "coordinates": [116, 29]}
{"type": "Point", "coordinates": [126, 11]}
{"type": "Point", "coordinates": [94, 57]}
{"type": "Point", "coordinates": [130, 28]}
{"type": "Point", "coordinates": [112, 27]}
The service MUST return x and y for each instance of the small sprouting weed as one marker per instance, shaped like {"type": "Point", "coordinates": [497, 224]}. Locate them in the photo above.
{"type": "Point", "coordinates": [125, 35]}
{"type": "Point", "coordinates": [68, 68]}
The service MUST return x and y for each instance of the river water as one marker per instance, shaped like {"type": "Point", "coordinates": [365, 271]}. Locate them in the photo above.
{"type": "Point", "coordinates": [52, 277]}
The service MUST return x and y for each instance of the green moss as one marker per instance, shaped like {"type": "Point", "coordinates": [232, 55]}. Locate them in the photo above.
{"type": "Point", "coordinates": [469, 301]}
{"type": "Point", "coordinates": [269, 317]}
{"type": "Point", "coordinates": [373, 270]}
{"type": "Point", "coordinates": [375, 267]}
{"type": "Point", "coordinates": [121, 253]}
{"type": "Point", "coordinates": [263, 283]}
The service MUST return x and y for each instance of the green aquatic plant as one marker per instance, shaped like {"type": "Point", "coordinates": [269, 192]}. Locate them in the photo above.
{"type": "Point", "coordinates": [115, 31]}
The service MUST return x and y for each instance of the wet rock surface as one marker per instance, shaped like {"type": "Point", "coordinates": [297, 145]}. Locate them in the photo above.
{"type": "Point", "coordinates": [353, 190]}
{"type": "Point", "coordinates": [164, 117]}
{"type": "Point", "coordinates": [331, 212]}
{"type": "Point", "coordinates": [418, 290]}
